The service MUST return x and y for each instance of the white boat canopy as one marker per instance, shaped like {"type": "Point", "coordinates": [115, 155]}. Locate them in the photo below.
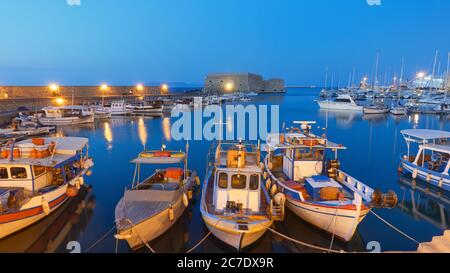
{"type": "Point", "coordinates": [424, 135]}
{"type": "Point", "coordinates": [158, 160]}
{"type": "Point", "coordinates": [437, 148]}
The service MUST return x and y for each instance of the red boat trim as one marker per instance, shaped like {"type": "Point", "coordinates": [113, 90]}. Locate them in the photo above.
{"type": "Point", "coordinates": [31, 212]}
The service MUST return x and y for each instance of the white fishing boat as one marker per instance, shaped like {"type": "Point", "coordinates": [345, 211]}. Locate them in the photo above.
{"type": "Point", "coordinates": [316, 189]}
{"type": "Point", "coordinates": [119, 108]}
{"type": "Point", "coordinates": [428, 156]}
{"type": "Point", "coordinates": [151, 206]}
{"type": "Point", "coordinates": [145, 107]}
{"type": "Point", "coordinates": [37, 176]}
{"type": "Point", "coordinates": [67, 115]}
{"type": "Point", "coordinates": [342, 102]}
{"type": "Point", "coordinates": [375, 109]}
{"type": "Point", "coordinates": [235, 206]}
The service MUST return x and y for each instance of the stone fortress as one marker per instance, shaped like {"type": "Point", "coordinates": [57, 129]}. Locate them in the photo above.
{"type": "Point", "coordinates": [241, 82]}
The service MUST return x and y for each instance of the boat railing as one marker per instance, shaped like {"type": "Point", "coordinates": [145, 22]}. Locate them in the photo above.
{"type": "Point", "coordinates": [354, 184]}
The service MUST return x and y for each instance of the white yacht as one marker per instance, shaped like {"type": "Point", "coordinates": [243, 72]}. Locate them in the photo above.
{"type": "Point", "coordinates": [342, 102]}
{"type": "Point", "coordinates": [119, 108]}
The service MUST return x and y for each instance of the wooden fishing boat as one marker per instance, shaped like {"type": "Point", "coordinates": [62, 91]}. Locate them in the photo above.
{"type": "Point", "coordinates": [315, 188]}
{"type": "Point", "coordinates": [67, 115]}
{"type": "Point", "coordinates": [37, 176]}
{"type": "Point", "coordinates": [235, 206]}
{"type": "Point", "coordinates": [151, 206]}
{"type": "Point", "coordinates": [428, 156]}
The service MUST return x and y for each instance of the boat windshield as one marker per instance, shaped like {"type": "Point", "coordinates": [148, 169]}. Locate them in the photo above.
{"type": "Point", "coordinates": [343, 100]}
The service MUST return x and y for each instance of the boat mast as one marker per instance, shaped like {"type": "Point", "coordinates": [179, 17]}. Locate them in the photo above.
{"type": "Point", "coordinates": [375, 80]}
{"type": "Point", "coordinates": [434, 70]}
{"type": "Point", "coordinates": [447, 77]}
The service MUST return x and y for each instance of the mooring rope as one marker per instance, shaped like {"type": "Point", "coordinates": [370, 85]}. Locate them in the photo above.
{"type": "Point", "coordinates": [396, 229]}
{"type": "Point", "coordinates": [100, 239]}
{"type": "Point", "coordinates": [306, 244]}
{"type": "Point", "coordinates": [199, 243]}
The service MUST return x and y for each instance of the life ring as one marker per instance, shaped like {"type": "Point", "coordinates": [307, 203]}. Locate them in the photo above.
{"type": "Point", "coordinates": [45, 206]}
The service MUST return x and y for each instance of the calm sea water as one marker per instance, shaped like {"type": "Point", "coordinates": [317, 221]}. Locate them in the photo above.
{"type": "Point", "coordinates": [374, 144]}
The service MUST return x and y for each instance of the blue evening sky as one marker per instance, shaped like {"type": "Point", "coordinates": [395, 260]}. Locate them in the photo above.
{"type": "Point", "coordinates": [129, 41]}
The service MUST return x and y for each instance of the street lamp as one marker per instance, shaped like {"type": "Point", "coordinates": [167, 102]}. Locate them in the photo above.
{"type": "Point", "coordinates": [59, 101]}
{"type": "Point", "coordinates": [54, 88]}
{"type": "Point", "coordinates": [229, 86]}
{"type": "Point", "coordinates": [104, 87]}
{"type": "Point", "coordinates": [164, 88]}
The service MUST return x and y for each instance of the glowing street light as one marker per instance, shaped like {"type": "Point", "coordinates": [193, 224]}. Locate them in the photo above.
{"type": "Point", "coordinates": [139, 87]}
{"type": "Point", "coordinates": [420, 75]}
{"type": "Point", "coordinates": [229, 86]}
{"type": "Point", "coordinates": [60, 101]}
{"type": "Point", "coordinates": [104, 87]}
{"type": "Point", "coordinates": [164, 88]}
{"type": "Point", "coordinates": [54, 88]}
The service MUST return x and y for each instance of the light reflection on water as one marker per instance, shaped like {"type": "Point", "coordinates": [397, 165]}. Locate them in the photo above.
{"type": "Point", "coordinates": [374, 144]}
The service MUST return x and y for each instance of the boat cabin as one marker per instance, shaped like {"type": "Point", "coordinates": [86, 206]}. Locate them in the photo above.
{"type": "Point", "coordinates": [36, 166]}
{"type": "Point", "coordinates": [237, 181]}
{"type": "Point", "coordinates": [67, 111]}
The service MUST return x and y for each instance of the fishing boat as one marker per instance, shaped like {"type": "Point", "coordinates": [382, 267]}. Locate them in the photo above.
{"type": "Point", "coordinates": [375, 109]}
{"type": "Point", "coordinates": [428, 156]}
{"type": "Point", "coordinates": [145, 107]}
{"type": "Point", "coordinates": [67, 115]}
{"type": "Point", "coordinates": [149, 207]}
{"type": "Point", "coordinates": [305, 168]}
{"type": "Point", "coordinates": [342, 102]}
{"type": "Point", "coordinates": [37, 176]}
{"type": "Point", "coordinates": [235, 205]}
{"type": "Point", "coordinates": [118, 108]}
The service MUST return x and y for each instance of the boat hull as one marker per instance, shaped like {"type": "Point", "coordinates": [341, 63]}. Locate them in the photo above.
{"type": "Point", "coordinates": [339, 106]}
{"type": "Point", "coordinates": [33, 212]}
{"type": "Point", "coordinates": [151, 228]}
{"type": "Point", "coordinates": [375, 111]}
{"type": "Point", "coordinates": [228, 233]}
{"type": "Point", "coordinates": [437, 179]}
{"type": "Point", "coordinates": [340, 222]}
{"type": "Point", "coordinates": [66, 120]}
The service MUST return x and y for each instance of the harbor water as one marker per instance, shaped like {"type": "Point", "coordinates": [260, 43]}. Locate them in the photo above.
{"type": "Point", "coordinates": [374, 144]}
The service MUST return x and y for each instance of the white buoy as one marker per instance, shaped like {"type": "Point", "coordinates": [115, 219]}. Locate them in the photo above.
{"type": "Point", "coordinates": [185, 200]}
{"type": "Point", "coordinates": [45, 207]}
{"type": "Point", "coordinates": [414, 174]}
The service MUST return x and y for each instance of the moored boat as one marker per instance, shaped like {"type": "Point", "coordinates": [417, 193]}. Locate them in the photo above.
{"type": "Point", "coordinates": [67, 115]}
{"type": "Point", "coordinates": [342, 102]}
{"type": "Point", "coordinates": [375, 109]}
{"type": "Point", "coordinates": [37, 176]}
{"type": "Point", "coordinates": [150, 207]}
{"type": "Point", "coordinates": [235, 205]}
{"type": "Point", "coordinates": [316, 189]}
{"type": "Point", "coordinates": [428, 156]}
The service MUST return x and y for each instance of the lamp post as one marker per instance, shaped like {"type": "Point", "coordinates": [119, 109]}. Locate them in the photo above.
{"type": "Point", "coordinates": [164, 88]}
{"type": "Point", "coordinates": [103, 88]}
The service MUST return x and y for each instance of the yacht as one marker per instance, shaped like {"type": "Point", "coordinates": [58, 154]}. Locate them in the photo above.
{"type": "Point", "coordinates": [37, 176]}
{"type": "Point", "coordinates": [375, 109]}
{"type": "Point", "coordinates": [342, 102]}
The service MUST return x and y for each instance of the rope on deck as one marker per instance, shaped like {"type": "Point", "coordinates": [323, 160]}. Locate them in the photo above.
{"type": "Point", "coordinates": [100, 239]}
{"type": "Point", "coordinates": [393, 227]}
{"type": "Point", "coordinates": [199, 243]}
{"type": "Point", "coordinates": [306, 244]}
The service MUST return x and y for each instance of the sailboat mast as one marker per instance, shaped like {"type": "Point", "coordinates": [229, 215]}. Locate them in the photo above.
{"type": "Point", "coordinates": [434, 70]}
{"type": "Point", "coordinates": [375, 81]}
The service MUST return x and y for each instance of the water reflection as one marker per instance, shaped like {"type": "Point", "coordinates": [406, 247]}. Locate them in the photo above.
{"type": "Point", "coordinates": [108, 134]}
{"type": "Point", "coordinates": [344, 119]}
{"type": "Point", "coordinates": [166, 128]}
{"type": "Point", "coordinates": [142, 131]}
{"type": "Point", "coordinates": [424, 202]}
{"type": "Point", "coordinates": [53, 232]}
